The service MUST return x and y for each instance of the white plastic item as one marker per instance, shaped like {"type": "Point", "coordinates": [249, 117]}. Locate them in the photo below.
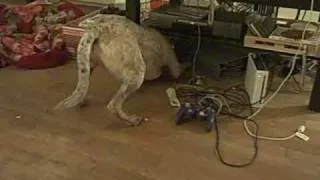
{"type": "Point", "coordinates": [302, 129]}
{"type": "Point", "coordinates": [302, 136]}
{"type": "Point", "coordinates": [173, 100]}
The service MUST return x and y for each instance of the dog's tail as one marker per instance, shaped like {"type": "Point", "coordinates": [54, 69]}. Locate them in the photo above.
{"type": "Point", "coordinates": [83, 60]}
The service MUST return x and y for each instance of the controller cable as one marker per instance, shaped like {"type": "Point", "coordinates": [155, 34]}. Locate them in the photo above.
{"type": "Point", "coordinates": [218, 152]}
{"type": "Point", "coordinates": [221, 98]}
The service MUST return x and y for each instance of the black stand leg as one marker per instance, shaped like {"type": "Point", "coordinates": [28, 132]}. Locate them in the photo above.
{"type": "Point", "coordinates": [314, 102]}
{"type": "Point", "coordinates": [133, 10]}
{"type": "Point", "coordinates": [175, 2]}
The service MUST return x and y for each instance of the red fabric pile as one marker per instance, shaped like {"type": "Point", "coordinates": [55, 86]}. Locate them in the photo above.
{"type": "Point", "coordinates": [30, 35]}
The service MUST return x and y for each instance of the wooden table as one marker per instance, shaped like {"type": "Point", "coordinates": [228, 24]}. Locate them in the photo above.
{"type": "Point", "coordinates": [278, 43]}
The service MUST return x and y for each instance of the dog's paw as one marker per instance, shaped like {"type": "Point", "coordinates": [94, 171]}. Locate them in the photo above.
{"type": "Point", "coordinates": [136, 120]}
{"type": "Point", "coordinates": [84, 103]}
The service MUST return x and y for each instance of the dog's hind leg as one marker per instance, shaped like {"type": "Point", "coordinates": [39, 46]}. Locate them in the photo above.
{"type": "Point", "coordinates": [116, 103]}
{"type": "Point", "coordinates": [131, 85]}
{"type": "Point", "coordinates": [93, 66]}
{"type": "Point", "coordinates": [123, 58]}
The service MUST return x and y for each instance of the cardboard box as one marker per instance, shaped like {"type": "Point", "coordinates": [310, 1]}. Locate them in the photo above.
{"type": "Point", "coordinates": [72, 32]}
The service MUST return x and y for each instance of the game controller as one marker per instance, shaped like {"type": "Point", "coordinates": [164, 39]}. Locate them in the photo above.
{"type": "Point", "coordinates": [192, 111]}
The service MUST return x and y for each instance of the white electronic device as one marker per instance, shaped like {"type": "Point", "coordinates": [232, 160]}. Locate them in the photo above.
{"type": "Point", "coordinates": [256, 80]}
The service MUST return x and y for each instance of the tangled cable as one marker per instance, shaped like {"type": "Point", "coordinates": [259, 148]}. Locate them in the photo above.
{"type": "Point", "coordinates": [222, 100]}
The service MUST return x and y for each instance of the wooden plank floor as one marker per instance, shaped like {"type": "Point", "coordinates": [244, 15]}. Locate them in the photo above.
{"type": "Point", "coordinates": [36, 143]}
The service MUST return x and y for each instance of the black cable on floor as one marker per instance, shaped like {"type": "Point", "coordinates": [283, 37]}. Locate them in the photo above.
{"type": "Point", "coordinates": [218, 152]}
{"type": "Point", "coordinates": [255, 139]}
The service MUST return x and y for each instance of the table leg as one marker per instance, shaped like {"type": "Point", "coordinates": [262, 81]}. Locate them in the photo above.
{"type": "Point", "coordinates": [303, 70]}
{"type": "Point", "coordinates": [314, 104]}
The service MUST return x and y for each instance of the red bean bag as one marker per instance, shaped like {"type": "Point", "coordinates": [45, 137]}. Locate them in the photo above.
{"type": "Point", "coordinates": [67, 6]}
{"type": "Point", "coordinates": [22, 53]}
{"type": "Point", "coordinates": [43, 60]}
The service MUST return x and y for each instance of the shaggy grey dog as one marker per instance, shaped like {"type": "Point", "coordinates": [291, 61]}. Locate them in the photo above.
{"type": "Point", "coordinates": [130, 52]}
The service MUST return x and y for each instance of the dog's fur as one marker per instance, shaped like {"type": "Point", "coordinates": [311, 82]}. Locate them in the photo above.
{"type": "Point", "coordinates": [130, 52]}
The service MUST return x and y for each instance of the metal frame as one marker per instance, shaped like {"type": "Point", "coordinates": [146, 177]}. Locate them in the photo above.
{"type": "Point", "coordinates": [297, 4]}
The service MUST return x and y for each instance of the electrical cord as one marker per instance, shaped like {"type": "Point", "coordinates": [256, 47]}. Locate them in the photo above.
{"type": "Point", "coordinates": [218, 152]}
{"type": "Point", "coordinates": [218, 138]}
{"type": "Point", "coordinates": [211, 16]}
{"type": "Point", "coordinates": [298, 14]}
{"type": "Point", "coordinates": [214, 98]}
{"type": "Point", "coordinates": [304, 14]}
{"type": "Point", "coordinates": [300, 89]}
{"type": "Point", "coordinates": [194, 59]}
{"type": "Point", "coordinates": [220, 98]}
{"type": "Point", "coordinates": [231, 96]}
{"type": "Point", "coordinates": [245, 125]}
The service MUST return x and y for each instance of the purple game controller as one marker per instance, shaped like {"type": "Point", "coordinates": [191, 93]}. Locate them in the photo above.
{"type": "Point", "coordinates": [191, 111]}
